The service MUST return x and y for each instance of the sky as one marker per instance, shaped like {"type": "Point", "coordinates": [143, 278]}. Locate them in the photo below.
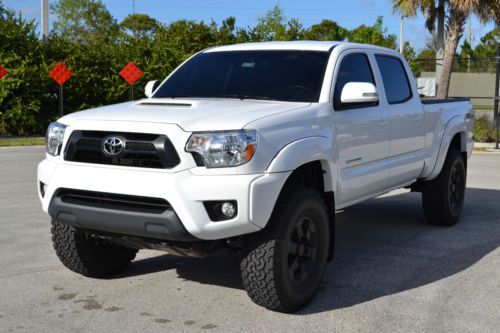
{"type": "Point", "coordinates": [350, 13]}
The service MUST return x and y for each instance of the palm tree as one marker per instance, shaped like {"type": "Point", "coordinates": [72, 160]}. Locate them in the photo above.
{"type": "Point", "coordinates": [454, 13]}
{"type": "Point", "coordinates": [434, 12]}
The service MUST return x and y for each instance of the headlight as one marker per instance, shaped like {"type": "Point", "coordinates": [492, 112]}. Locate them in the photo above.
{"type": "Point", "coordinates": [223, 149]}
{"type": "Point", "coordinates": [54, 138]}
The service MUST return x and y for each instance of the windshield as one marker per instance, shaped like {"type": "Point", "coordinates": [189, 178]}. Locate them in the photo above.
{"type": "Point", "coordinates": [294, 76]}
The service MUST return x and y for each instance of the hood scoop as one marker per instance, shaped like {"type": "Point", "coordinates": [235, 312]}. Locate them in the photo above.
{"type": "Point", "coordinates": [166, 104]}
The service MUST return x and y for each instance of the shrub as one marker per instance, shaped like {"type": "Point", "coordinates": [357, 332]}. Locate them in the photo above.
{"type": "Point", "coordinates": [484, 131]}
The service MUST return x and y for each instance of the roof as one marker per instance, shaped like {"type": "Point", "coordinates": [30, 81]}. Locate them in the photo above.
{"type": "Point", "coordinates": [301, 45]}
{"type": "Point", "coordinates": [304, 45]}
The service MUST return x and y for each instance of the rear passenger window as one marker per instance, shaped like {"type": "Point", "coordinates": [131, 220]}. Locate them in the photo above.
{"type": "Point", "coordinates": [396, 84]}
{"type": "Point", "coordinates": [354, 68]}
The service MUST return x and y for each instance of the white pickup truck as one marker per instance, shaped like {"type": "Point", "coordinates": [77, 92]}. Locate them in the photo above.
{"type": "Point", "coordinates": [251, 147]}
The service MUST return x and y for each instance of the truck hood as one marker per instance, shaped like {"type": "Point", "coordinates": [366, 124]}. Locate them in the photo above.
{"type": "Point", "coordinates": [190, 114]}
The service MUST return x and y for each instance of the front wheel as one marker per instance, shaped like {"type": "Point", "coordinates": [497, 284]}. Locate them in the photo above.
{"type": "Point", "coordinates": [443, 197]}
{"type": "Point", "coordinates": [283, 265]}
{"type": "Point", "coordinates": [87, 255]}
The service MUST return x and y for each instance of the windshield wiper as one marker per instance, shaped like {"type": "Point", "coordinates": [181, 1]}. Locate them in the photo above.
{"type": "Point", "coordinates": [243, 96]}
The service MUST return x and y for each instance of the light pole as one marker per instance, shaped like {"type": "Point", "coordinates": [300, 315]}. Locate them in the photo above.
{"type": "Point", "coordinates": [497, 99]}
{"type": "Point", "coordinates": [401, 32]}
{"type": "Point", "coordinates": [470, 39]}
{"type": "Point", "coordinates": [45, 19]}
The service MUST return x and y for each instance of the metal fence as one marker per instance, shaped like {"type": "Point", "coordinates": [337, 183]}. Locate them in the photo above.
{"type": "Point", "coordinates": [474, 78]}
{"type": "Point", "coordinates": [461, 65]}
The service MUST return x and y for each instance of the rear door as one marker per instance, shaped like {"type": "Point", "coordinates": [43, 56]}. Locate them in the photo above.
{"type": "Point", "coordinates": [406, 117]}
{"type": "Point", "coordinates": [362, 132]}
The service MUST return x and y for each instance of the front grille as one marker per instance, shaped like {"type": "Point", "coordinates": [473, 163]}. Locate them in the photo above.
{"type": "Point", "coordinates": [141, 150]}
{"type": "Point", "coordinates": [114, 201]}
{"type": "Point", "coordinates": [141, 146]}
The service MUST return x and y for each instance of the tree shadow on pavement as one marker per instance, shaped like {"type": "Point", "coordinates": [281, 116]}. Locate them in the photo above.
{"type": "Point", "coordinates": [383, 247]}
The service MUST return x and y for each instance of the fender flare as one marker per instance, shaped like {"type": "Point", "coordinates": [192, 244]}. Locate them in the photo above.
{"type": "Point", "coordinates": [455, 125]}
{"type": "Point", "coordinates": [305, 150]}
{"type": "Point", "coordinates": [264, 192]}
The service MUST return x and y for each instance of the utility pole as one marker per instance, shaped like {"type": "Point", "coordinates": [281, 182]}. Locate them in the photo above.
{"type": "Point", "coordinates": [401, 32]}
{"type": "Point", "coordinates": [135, 35]}
{"type": "Point", "coordinates": [496, 114]}
{"type": "Point", "coordinates": [45, 19]}
{"type": "Point", "coordinates": [469, 39]}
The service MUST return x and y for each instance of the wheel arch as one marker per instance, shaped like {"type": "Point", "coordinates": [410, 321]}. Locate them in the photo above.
{"type": "Point", "coordinates": [312, 162]}
{"type": "Point", "coordinates": [299, 153]}
{"type": "Point", "coordinates": [454, 137]}
{"type": "Point", "coordinates": [313, 175]}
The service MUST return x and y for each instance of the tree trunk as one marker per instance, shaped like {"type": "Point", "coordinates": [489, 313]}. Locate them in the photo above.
{"type": "Point", "coordinates": [440, 15]}
{"type": "Point", "coordinates": [456, 23]}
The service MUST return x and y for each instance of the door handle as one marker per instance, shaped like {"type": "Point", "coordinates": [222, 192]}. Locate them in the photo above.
{"type": "Point", "coordinates": [357, 159]}
{"type": "Point", "coordinates": [418, 117]}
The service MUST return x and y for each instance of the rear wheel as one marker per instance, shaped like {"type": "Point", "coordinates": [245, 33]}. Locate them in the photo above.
{"type": "Point", "coordinates": [443, 197]}
{"type": "Point", "coordinates": [88, 255]}
{"type": "Point", "coordinates": [283, 265]}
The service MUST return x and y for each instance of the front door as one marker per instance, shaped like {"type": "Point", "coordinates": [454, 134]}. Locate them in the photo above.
{"type": "Point", "coordinates": [362, 133]}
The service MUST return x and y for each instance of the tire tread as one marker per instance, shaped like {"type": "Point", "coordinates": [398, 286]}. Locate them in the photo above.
{"type": "Point", "coordinates": [73, 255]}
{"type": "Point", "coordinates": [262, 252]}
{"type": "Point", "coordinates": [434, 197]}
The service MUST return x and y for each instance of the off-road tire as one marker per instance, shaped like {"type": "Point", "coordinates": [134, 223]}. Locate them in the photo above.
{"type": "Point", "coordinates": [86, 255]}
{"type": "Point", "coordinates": [267, 268]}
{"type": "Point", "coordinates": [443, 197]}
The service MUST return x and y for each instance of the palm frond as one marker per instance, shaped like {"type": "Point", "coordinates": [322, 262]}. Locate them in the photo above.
{"type": "Point", "coordinates": [405, 7]}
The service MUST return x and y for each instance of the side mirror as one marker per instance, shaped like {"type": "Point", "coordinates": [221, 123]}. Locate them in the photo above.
{"type": "Point", "coordinates": [151, 87]}
{"type": "Point", "coordinates": [359, 92]}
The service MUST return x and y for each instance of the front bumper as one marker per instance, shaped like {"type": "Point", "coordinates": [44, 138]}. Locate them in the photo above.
{"type": "Point", "coordinates": [255, 194]}
{"type": "Point", "coordinates": [116, 217]}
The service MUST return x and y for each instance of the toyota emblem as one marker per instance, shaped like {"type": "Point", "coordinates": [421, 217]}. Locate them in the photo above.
{"type": "Point", "coordinates": [113, 146]}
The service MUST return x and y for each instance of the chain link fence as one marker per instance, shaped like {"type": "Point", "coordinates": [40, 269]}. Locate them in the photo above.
{"type": "Point", "coordinates": [474, 78]}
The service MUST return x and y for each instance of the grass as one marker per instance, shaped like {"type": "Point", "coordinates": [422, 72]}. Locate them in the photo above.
{"type": "Point", "coordinates": [31, 141]}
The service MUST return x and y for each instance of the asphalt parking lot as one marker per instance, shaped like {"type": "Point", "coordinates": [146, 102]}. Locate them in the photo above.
{"type": "Point", "coordinates": [392, 272]}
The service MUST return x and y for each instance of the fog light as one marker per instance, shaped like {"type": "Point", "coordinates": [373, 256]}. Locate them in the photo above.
{"type": "Point", "coordinates": [227, 209]}
{"type": "Point", "coordinates": [221, 210]}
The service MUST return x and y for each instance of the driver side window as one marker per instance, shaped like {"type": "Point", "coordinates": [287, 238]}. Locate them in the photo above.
{"type": "Point", "coordinates": [353, 68]}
